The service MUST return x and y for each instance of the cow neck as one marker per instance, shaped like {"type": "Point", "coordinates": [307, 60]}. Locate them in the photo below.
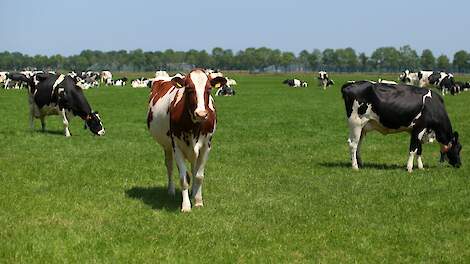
{"type": "Point", "coordinates": [444, 137]}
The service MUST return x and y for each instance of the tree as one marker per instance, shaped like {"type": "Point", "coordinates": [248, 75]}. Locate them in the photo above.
{"type": "Point", "coordinates": [461, 61]}
{"type": "Point", "coordinates": [408, 58]}
{"type": "Point", "coordinates": [428, 62]}
{"type": "Point", "coordinates": [443, 63]}
{"type": "Point", "coordinates": [386, 59]}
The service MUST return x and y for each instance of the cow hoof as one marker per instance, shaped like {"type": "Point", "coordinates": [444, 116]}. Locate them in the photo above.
{"type": "Point", "coordinates": [355, 168]}
{"type": "Point", "coordinates": [198, 204]}
{"type": "Point", "coordinates": [410, 170]}
{"type": "Point", "coordinates": [186, 210]}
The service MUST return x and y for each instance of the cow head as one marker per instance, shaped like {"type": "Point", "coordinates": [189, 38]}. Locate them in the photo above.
{"type": "Point", "coordinates": [93, 121]}
{"type": "Point", "coordinates": [197, 88]}
{"type": "Point", "coordinates": [452, 151]}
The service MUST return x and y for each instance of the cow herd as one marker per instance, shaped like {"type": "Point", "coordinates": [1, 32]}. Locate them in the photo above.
{"type": "Point", "coordinates": [182, 118]}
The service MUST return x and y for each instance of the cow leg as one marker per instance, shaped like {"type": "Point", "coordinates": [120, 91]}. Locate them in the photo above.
{"type": "Point", "coordinates": [354, 138]}
{"type": "Point", "coordinates": [414, 142]}
{"type": "Point", "coordinates": [186, 204]}
{"type": "Point", "coordinates": [418, 156]}
{"type": "Point", "coordinates": [169, 171]}
{"type": "Point", "coordinates": [199, 176]}
{"type": "Point", "coordinates": [358, 151]}
{"type": "Point", "coordinates": [43, 123]}
{"type": "Point", "coordinates": [66, 123]}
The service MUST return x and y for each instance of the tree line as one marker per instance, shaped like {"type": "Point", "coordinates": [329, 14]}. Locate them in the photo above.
{"type": "Point", "coordinates": [384, 59]}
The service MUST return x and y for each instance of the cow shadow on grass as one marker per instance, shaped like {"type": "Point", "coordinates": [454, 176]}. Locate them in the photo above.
{"type": "Point", "coordinates": [367, 165]}
{"type": "Point", "coordinates": [156, 197]}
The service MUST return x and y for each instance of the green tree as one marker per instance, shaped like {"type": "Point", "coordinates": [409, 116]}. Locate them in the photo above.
{"type": "Point", "coordinates": [443, 63]}
{"type": "Point", "coordinates": [461, 62]}
{"type": "Point", "coordinates": [428, 61]}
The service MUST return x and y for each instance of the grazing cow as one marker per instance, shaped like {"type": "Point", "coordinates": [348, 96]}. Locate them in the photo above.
{"type": "Point", "coordinates": [182, 119]}
{"type": "Point", "coordinates": [17, 80]}
{"type": "Point", "coordinates": [445, 81]}
{"type": "Point", "coordinates": [295, 83]}
{"type": "Point", "coordinates": [461, 87]}
{"type": "Point", "coordinates": [225, 90]}
{"type": "Point", "coordinates": [106, 77]}
{"type": "Point", "coordinates": [51, 94]}
{"type": "Point", "coordinates": [397, 108]}
{"type": "Point", "coordinates": [323, 80]}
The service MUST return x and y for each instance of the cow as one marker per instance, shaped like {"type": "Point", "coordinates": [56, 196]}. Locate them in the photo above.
{"type": "Point", "coordinates": [159, 74]}
{"type": "Point", "coordinates": [225, 90]}
{"type": "Point", "coordinates": [423, 78]}
{"type": "Point", "coordinates": [51, 94]}
{"type": "Point", "coordinates": [408, 77]}
{"type": "Point", "coordinates": [323, 80]}
{"type": "Point", "coordinates": [295, 83]}
{"type": "Point", "coordinates": [444, 81]}
{"type": "Point", "coordinates": [120, 82]}
{"type": "Point", "coordinates": [106, 77]}
{"type": "Point", "coordinates": [139, 83]}
{"type": "Point", "coordinates": [230, 82]}
{"type": "Point", "coordinates": [181, 117]}
{"type": "Point", "coordinates": [397, 108]}
{"type": "Point", "coordinates": [17, 80]}
{"type": "Point", "coordinates": [461, 87]}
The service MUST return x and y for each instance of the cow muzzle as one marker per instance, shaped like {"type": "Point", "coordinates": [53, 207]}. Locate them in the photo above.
{"type": "Point", "coordinates": [101, 132]}
{"type": "Point", "coordinates": [200, 114]}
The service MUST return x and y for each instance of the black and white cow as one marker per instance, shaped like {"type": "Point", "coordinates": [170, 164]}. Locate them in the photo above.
{"type": "Point", "coordinates": [460, 87]}
{"type": "Point", "coordinates": [120, 82]}
{"type": "Point", "coordinates": [295, 83]}
{"type": "Point", "coordinates": [324, 80]}
{"type": "Point", "coordinates": [225, 90]}
{"type": "Point", "coordinates": [445, 81]}
{"type": "Point", "coordinates": [16, 80]}
{"type": "Point", "coordinates": [51, 94]}
{"type": "Point", "coordinates": [397, 108]}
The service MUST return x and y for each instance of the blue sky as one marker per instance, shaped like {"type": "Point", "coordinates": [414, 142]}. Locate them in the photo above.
{"type": "Point", "coordinates": [67, 27]}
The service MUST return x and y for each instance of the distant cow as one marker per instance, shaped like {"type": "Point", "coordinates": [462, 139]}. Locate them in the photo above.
{"type": "Point", "coordinates": [139, 83]}
{"type": "Point", "coordinates": [120, 82]}
{"type": "Point", "coordinates": [397, 108]}
{"type": "Point", "coordinates": [182, 119]}
{"type": "Point", "coordinates": [461, 87]}
{"type": "Point", "coordinates": [445, 81]}
{"type": "Point", "coordinates": [323, 80]}
{"type": "Point", "coordinates": [295, 83]}
{"type": "Point", "coordinates": [106, 77]}
{"type": "Point", "coordinates": [408, 77]}
{"type": "Point", "coordinates": [225, 91]}
{"type": "Point", "coordinates": [17, 80]}
{"type": "Point", "coordinates": [51, 94]}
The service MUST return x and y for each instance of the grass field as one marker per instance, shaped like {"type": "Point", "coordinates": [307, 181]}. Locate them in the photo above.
{"type": "Point", "coordinates": [278, 186]}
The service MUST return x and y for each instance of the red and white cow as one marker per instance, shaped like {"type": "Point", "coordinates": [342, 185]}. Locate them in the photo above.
{"type": "Point", "coordinates": [182, 119]}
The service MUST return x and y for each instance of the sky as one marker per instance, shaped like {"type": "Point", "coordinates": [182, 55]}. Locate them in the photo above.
{"type": "Point", "coordinates": [67, 27]}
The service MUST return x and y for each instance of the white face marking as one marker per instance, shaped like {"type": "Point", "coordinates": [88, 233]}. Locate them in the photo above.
{"type": "Point", "coordinates": [199, 79]}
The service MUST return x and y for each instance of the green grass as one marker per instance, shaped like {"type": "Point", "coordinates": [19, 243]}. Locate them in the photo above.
{"type": "Point", "coordinates": [278, 186]}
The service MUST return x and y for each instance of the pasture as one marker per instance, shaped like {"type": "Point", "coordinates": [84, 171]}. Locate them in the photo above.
{"type": "Point", "coordinates": [278, 185]}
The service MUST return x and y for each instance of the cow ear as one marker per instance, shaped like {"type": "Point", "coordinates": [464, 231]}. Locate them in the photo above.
{"type": "Point", "coordinates": [178, 82]}
{"type": "Point", "coordinates": [218, 81]}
